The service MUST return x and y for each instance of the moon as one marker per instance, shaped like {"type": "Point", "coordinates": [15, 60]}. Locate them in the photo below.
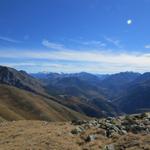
{"type": "Point", "coordinates": [129, 21]}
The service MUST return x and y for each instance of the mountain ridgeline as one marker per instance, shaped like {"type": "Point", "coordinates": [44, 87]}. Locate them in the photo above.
{"type": "Point", "coordinates": [126, 92]}
{"type": "Point", "coordinates": [24, 97]}
{"type": "Point", "coordinates": [60, 97]}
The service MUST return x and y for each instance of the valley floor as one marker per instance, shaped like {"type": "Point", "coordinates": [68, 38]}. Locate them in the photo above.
{"type": "Point", "coordinates": [41, 135]}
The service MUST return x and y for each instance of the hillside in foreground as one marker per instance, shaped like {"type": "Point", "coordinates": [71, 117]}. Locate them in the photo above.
{"type": "Point", "coordinates": [121, 133]}
{"type": "Point", "coordinates": [73, 94]}
{"type": "Point", "coordinates": [17, 104]}
{"type": "Point", "coordinates": [78, 93]}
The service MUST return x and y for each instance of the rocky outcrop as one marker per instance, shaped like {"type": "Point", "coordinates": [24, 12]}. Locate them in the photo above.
{"type": "Point", "coordinates": [139, 123]}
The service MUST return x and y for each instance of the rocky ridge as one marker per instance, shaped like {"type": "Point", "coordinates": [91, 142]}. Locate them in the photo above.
{"type": "Point", "coordinates": [114, 128]}
{"type": "Point", "coordinates": [121, 133]}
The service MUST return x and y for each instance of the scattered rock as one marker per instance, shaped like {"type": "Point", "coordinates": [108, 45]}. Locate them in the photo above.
{"type": "Point", "coordinates": [139, 123]}
{"type": "Point", "coordinates": [109, 147]}
{"type": "Point", "coordinates": [90, 138]}
{"type": "Point", "coordinates": [77, 130]}
{"type": "Point", "coordinates": [45, 123]}
{"type": "Point", "coordinates": [78, 122]}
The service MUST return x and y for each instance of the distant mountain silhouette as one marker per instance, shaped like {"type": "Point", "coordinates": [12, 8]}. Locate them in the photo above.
{"type": "Point", "coordinates": [136, 97]}
{"type": "Point", "coordinates": [85, 93]}
{"type": "Point", "coordinates": [20, 79]}
{"type": "Point", "coordinates": [81, 92]}
{"type": "Point", "coordinates": [24, 97]}
{"type": "Point", "coordinates": [115, 84]}
{"type": "Point", "coordinates": [116, 87]}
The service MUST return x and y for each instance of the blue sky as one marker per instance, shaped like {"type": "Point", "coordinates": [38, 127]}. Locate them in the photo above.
{"type": "Point", "coordinates": [97, 36]}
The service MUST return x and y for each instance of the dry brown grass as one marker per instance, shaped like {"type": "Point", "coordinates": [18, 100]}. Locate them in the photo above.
{"type": "Point", "coordinates": [16, 104]}
{"type": "Point", "coordinates": [40, 135]}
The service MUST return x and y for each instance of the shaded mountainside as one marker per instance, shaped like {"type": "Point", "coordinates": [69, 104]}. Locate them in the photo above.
{"type": "Point", "coordinates": [20, 79]}
{"type": "Point", "coordinates": [136, 97]}
{"type": "Point", "coordinates": [86, 84]}
{"type": "Point", "coordinates": [75, 79]}
{"type": "Point", "coordinates": [116, 84]}
{"type": "Point", "coordinates": [129, 91]}
{"type": "Point", "coordinates": [83, 86]}
{"type": "Point", "coordinates": [92, 95]}
{"type": "Point", "coordinates": [16, 104]}
{"type": "Point", "coordinates": [74, 86]}
{"type": "Point", "coordinates": [82, 94]}
{"type": "Point", "coordinates": [119, 80]}
{"type": "Point", "coordinates": [93, 108]}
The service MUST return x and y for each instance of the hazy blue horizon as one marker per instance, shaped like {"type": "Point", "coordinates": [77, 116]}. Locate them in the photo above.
{"type": "Point", "coordinates": [94, 73]}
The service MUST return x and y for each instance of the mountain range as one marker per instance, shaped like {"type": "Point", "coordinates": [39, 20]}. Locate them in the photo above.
{"type": "Point", "coordinates": [60, 96]}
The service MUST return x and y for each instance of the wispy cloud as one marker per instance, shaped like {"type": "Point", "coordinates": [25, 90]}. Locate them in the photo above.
{"type": "Point", "coordinates": [52, 45]}
{"type": "Point", "coordinates": [59, 58]}
{"type": "Point", "coordinates": [95, 43]}
{"type": "Point", "coordinates": [8, 39]}
{"type": "Point", "coordinates": [147, 46]}
{"type": "Point", "coordinates": [91, 61]}
{"type": "Point", "coordinates": [83, 44]}
{"type": "Point", "coordinates": [91, 43]}
{"type": "Point", "coordinates": [115, 42]}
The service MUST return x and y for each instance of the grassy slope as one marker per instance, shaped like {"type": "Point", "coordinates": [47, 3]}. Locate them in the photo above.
{"type": "Point", "coordinates": [16, 104]}
{"type": "Point", "coordinates": [23, 135]}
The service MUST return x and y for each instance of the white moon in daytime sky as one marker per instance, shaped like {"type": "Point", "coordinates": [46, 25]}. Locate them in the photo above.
{"type": "Point", "coordinates": [129, 21]}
